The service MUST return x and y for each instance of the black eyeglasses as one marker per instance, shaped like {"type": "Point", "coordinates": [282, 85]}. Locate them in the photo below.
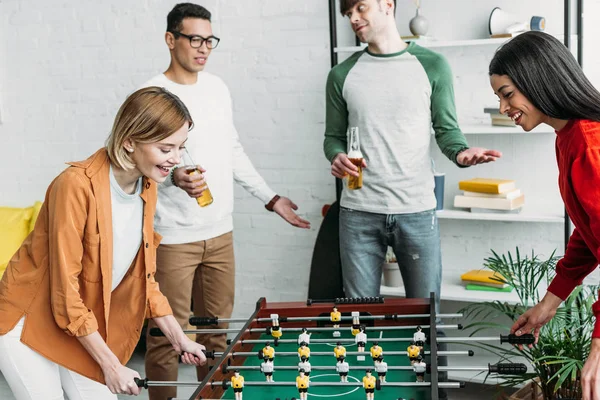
{"type": "Point", "coordinates": [197, 41]}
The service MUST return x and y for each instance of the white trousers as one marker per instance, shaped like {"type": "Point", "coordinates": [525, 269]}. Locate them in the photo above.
{"type": "Point", "coordinates": [33, 377]}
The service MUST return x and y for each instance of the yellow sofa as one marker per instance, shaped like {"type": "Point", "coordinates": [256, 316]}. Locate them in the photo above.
{"type": "Point", "coordinates": [15, 225]}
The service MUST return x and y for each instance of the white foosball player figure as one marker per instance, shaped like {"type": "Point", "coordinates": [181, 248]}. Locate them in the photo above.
{"type": "Point", "coordinates": [342, 368]}
{"type": "Point", "coordinates": [381, 368]}
{"type": "Point", "coordinates": [420, 367]}
{"type": "Point", "coordinates": [267, 367]}
{"type": "Point", "coordinates": [305, 365]}
{"type": "Point", "coordinates": [361, 340]}
{"type": "Point", "coordinates": [304, 337]}
{"type": "Point", "coordinates": [419, 338]}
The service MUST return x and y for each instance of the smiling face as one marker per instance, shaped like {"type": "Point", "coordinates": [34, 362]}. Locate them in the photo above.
{"type": "Point", "coordinates": [514, 104]}
{"type": "Point", "coordinates": [155, 160]}
{"type": "Point", "coordinates": [190, 59]}
{"type": "Point", "coordinates": [369, 19]}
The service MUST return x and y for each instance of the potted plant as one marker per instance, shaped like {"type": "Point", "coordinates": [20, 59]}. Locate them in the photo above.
{"type": "Point", "coordinates": [564, 342]}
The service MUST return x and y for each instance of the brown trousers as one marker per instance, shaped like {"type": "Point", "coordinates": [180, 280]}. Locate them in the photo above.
{"type": "Point", "coordinates": [202, 272]}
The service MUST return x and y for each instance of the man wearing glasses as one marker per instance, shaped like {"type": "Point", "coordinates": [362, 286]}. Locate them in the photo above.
{"type": "Point", "coordinates": [195, 261]}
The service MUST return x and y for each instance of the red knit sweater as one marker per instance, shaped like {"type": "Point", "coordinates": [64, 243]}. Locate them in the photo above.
{"type": "Point", "coordinates": [578, 156]}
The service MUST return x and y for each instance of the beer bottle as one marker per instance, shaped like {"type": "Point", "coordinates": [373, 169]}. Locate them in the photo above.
{"type": "Point", "coordinates": [355, 156]}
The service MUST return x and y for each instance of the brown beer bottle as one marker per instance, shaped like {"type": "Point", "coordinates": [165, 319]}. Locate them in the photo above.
{"type": "Point", "coordinates": [206, 196]}
{"type": "Point", "coordinates": [355, 156]}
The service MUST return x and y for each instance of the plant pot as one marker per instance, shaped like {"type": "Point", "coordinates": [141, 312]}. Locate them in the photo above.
{"type": "Point", "coordinates": [531, 391]}
{"type": "Point", "coordinates": [391, 275]}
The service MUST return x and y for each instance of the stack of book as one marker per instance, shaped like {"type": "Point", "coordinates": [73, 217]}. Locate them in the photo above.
{"type": "Point", "coordinates": [485, 280]}
{"type": "Point", "coordinates": [487, 195]}
{"type": "Point", "coordinates": [497, 118]}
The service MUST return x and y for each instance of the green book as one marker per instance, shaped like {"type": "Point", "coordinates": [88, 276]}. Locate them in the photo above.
{"type": "Point", "coordinates": [472, 286]}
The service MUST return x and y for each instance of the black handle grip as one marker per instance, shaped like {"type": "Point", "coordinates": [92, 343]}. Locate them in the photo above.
{"type": "Point", "coordinates": [156, 332]}
{"type": "Point", "coordinates": [514, 339]}
{"type": "Point", "coordinates": [204, 321]}
{"type": "Point", "coordinates": [143, 383]}
{"type": "Point", "coordinates": [508, 368]}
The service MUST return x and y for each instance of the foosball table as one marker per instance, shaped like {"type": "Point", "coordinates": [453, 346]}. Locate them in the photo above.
{"type": "Point", "coordinates": [345, 347]}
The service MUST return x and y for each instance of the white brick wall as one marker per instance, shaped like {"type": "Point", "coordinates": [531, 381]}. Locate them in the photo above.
{"type": "Point", "coordinates": [66, 66]}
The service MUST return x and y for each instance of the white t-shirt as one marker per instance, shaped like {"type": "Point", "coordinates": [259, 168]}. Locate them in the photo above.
{"type": "Point", "coordinates": [127, 223]}
{"type": "Point", "coordinates": [420, 367]}
{"type": "Point", "coordinates": [419, 337]}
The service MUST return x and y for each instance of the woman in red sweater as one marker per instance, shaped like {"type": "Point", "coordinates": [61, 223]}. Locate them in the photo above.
{"type": "Point", "coordinates": [538, 81]}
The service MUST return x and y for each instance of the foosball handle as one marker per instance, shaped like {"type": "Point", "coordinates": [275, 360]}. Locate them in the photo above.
{"type": "Point", "coordinates": [156, 332]}
{"type": "Point", "coordinates": [204, 321]}
{"type": "Point", "coordinates": [514, 339]}
{"type": "Point", "coordinates": [143, 383]}
{"type": "Point", "coordinates": [508, 368]}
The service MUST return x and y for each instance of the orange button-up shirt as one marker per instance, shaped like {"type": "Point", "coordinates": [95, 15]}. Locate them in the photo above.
{"type": "Point", "coordinates": [60, 279]}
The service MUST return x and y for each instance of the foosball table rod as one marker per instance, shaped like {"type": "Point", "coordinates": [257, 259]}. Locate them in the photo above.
{"type": "Point", "coordinates": [145, 383]}
{"type": "Point", "coordinates": [204, 321]}
{"type": "Point", "coordinates": [512, 339]}
{"type": "Point", "coordinates": [158, 332]}
{"type": "Point", "coordinates": [500, 368]}
{"type": "Point", "coordinates": [469, 353]}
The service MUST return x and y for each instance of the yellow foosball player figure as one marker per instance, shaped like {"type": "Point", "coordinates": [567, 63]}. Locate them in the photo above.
{"type": "Point", "coordinates": [339, 351]}
{"type": "Point", "coordinates": [369, 384]}
{"type": "Point", "coordinates": [302, 384]}
{"type": "Point", "coordinates": [355, 323]}
{"type": "Point", "coordinates": [237, 383]}
{"type": "Point", "coordinates": [336, 317]}
{"type": "Point", "coordinates": [268, 352]}
{"type": "Point", "coordinates": [303, 350]}
{"type": "Point", "coordinates": [276, 331]}
{"type": "Point", "coordinates": [376, 351]}
{"type": "Point", "coordinates": [420, 367]}
{"type": "Point", "coordinates": [413, 352]}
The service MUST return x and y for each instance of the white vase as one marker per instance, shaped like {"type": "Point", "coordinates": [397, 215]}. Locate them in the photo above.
{"type": "Point", "coordinates": [419, 24]}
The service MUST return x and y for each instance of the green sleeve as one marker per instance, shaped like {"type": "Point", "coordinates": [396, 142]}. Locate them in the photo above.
{"type": "Point", "coordinates": [336, 110]}
{"type": "Point", "coordinates": [448, 135]}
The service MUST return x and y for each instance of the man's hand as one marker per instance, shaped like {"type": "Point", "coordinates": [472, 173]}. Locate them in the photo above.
{"type": "Point", "coordinates": [590, 374]}
{"type": "Point", "coordinates": [341, 166]}
{"type": "Point", "coordinates": [193, 184]}
{"type": "Point", "coordinates": [477, 155]}
{"type": "Point", "coordinates": [285, 208]}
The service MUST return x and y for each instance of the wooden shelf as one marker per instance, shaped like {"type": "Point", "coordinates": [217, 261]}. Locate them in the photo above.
{"type": "Point", "coordinates": [484, 129]}
{"type": "Point", "coordinates": [434, 44]}
{"type": "Point", "coordinates": [524, 216]}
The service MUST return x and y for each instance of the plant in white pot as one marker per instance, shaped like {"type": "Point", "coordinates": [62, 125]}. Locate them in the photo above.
{"type": "Point", "coordinates": [564, 342]}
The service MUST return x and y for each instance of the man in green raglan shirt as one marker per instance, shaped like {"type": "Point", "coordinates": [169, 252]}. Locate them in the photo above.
{"type": "Point", "coordinates": [394, 93]}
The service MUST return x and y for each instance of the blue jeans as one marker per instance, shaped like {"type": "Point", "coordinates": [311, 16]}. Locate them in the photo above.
{"type": "Point", "coordinates": [415, 239]}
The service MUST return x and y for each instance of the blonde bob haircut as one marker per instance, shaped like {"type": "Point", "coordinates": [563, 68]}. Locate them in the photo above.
{"type": "Point", "coordinates": [149, 115]}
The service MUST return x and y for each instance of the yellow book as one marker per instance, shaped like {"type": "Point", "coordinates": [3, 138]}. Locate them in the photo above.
{"type": "Point", "coordinates": [487, 185]}
{"type": "Point", "coordinates": [483, 277]}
